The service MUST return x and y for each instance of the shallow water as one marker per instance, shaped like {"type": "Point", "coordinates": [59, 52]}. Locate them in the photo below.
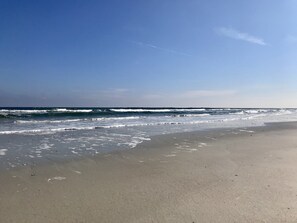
{"type": "Point", "coordinates": [35, 135]}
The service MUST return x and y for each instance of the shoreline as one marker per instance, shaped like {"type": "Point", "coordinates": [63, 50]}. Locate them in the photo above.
{"type": "Point", "coordinates": [60, 160]}
{"type": "Point", "coordinates": [217, 175]}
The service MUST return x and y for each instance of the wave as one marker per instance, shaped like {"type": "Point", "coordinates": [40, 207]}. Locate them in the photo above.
{"type": "Point", "coordinates": [69, 115]}
{"type": "Point", "coordinates": [188, 109]}
{"type": "Point", "coordinates": [28, 131]}
{"type": "Point", "coordinates": [107, 125]}
{"type": "Point", "coordinates": [53, 130]}
{"type": "Point", "coordinates": [116, 118]}
{"type": "Point", "coordinates": [157, 110]}
{"type": "Point", "coordinates": [139, 110]}
{"type": "Point", "coordinates": [76, 112]}
{"type": "Point", "coordinates": [253, 111]}
{"type": "Point", "coordinates": [75, 120]}
{"type": "Point", "coordinates": [73, 110]}
{"type": "Point", "coordinates": [284, 112]}
{"type": "Point", "coordinates": [46, 121]}
{"type": "Point", "coordinates": [39, 111]}
{"type": "Point", "coordinates": [189, 115]}
{"type": "Point", "coordinates": [20, 111]}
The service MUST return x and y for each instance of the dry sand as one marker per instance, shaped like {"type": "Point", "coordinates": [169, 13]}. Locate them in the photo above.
{"type": "Point", "coordinates": [235, 175]}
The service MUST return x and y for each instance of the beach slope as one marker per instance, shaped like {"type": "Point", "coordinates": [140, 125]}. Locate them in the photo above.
{"type": "Point", "coordinates": [231, 175]}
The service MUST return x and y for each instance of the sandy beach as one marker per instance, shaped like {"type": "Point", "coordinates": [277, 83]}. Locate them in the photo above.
{"type": "Point", "coordinates": [227, 175]}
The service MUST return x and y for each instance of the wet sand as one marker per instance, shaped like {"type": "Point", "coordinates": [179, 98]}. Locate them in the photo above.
{"type": "Point", "coordinates": [231, 175]}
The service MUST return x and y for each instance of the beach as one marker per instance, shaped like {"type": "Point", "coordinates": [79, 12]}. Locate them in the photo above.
{"type": "Point", "coordinates": [219, 175]}
{"type": "Point", "coordinates": [148, 111]}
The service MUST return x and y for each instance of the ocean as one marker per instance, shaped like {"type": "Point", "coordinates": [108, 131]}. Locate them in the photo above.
{"type": "Point", "coordinates": [32, 135]}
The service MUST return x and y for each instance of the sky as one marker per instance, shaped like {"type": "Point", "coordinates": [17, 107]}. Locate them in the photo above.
{"type": "Point", "coordinates": [185, 53]}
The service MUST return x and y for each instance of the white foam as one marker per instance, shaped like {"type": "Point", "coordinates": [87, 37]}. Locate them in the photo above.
{"type": "Point", "coordinates": [22, 111]}
{"type": "Point", "coordinates": [139, 110]}
{"type": "Point", "coordinates": [47, 121]}
{"type": "Point", "coordinates": [189, 109]}
{"type": "Point", "coordinates": [90, 149]}
{"type": "Point", "coordinates": [72, 110]}
{"type": "Point", "coordinates": [197, 115]}
{"type": "Point", "coordinates": [243, 130]}
{"type": "Point", "coordinates": [56, 178]}
{"type": "Point", "coordinates": [158, 110]}
{"type": "Point", "coordinates": [3, 152]}
{"type": "Point", "coordinates": [252, 111]}
{"type": "Point", "coordinates": [253, 117]}
{"type": "Point", "coordinates": [192, 150]}
{"type": "Point", "coordinates": [208, 137]}
{"type": "Point", "coordinates": [249, 116]}
{"type": "Point", "coordinates": [31, 131]}
{"type": "Point", "coordinates": [142, 138]}
{"type": "Point", "coordinates": [116, 118]}
{"type": "Point", "coordinates": [170, 155]}
{"type": "Point", "coordinates": [284, 112]}
{"type": "Point", "coordinates": [44, 146]}
{"type": "Point", "coordinates": [202, 144]}
{"type": "Point", "coordinates": [44, 131]}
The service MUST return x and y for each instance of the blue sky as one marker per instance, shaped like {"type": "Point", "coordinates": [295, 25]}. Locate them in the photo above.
{"type": "Point", "coordinates": [148, 53]}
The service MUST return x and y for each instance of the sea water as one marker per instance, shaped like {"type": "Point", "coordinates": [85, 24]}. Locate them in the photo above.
{"type": "Point", "coordinates": [36, 134]}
